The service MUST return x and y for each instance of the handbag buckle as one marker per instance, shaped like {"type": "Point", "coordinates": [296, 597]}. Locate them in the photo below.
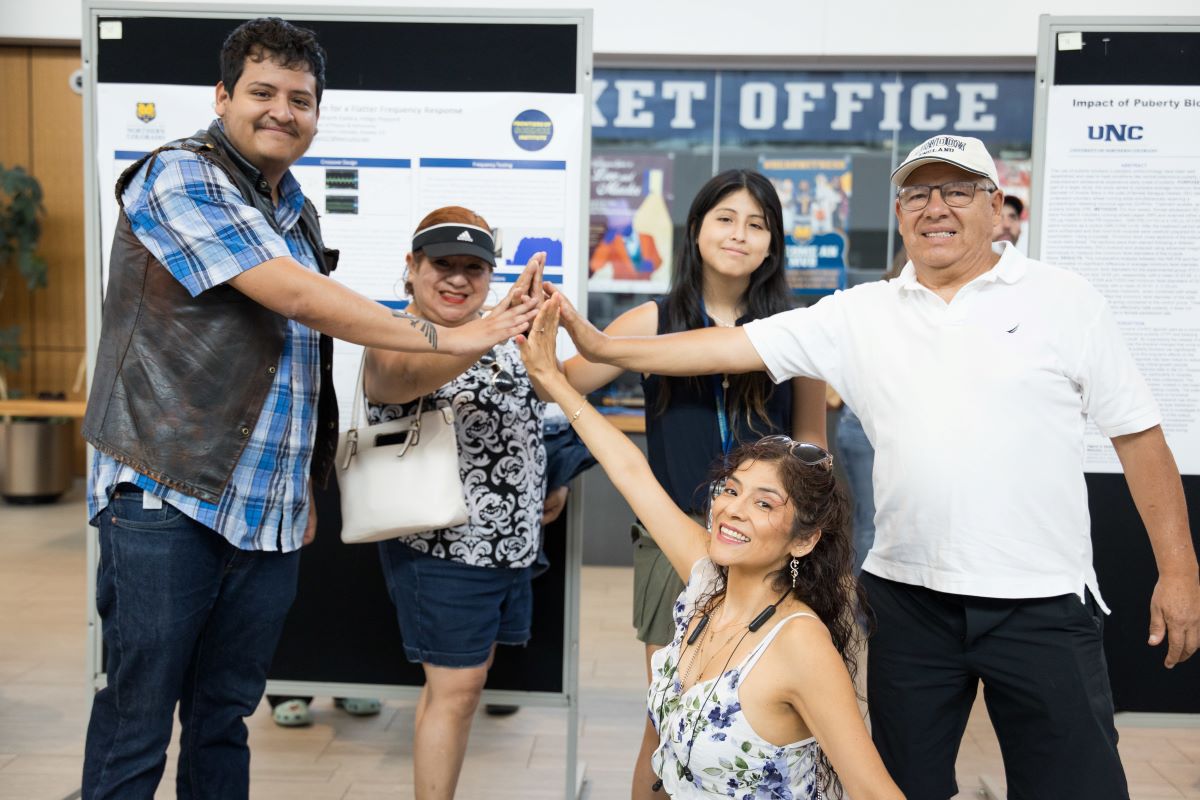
{"type": "Point", "coordinates": [414, 436]}
{"type": "Point", "coordinates": [351, 447]}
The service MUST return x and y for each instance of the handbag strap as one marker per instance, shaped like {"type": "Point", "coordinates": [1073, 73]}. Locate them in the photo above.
{"type": "Point", "coordinates": [360, 395]}
{"type": "Point", "coordinates": [359, 407]}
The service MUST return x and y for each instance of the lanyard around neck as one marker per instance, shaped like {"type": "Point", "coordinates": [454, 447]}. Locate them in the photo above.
{"type": "Point", "coordinates": [719, 386]}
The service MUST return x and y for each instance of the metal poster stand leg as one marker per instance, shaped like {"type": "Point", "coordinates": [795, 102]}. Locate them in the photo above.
{"type": "Point", "coordinates": [575, 771]}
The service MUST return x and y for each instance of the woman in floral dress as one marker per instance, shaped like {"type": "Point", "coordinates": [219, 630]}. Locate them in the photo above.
{"type": "Point", "coordinates": [754, 697]}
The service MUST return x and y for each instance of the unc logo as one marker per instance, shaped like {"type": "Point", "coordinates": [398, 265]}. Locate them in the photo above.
{"type": "Point", "coordinates": [1115, 133]}
{"type": "Point", "coordinates": [146, 112]}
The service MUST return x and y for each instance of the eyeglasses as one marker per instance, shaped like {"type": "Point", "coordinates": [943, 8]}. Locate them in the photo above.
{"type": "Point", "coordinates": [502, 380]}
{"type": "Point", "coordinates": [809, 454]}
{"type": "Point", "coordinates": [955, 193]}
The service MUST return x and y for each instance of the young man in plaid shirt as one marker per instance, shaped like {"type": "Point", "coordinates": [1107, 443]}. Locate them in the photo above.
{"type": "Point", "coordinates": [212, 412]}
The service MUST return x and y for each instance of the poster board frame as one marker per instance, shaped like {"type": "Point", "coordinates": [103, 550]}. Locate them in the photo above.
{"type": "Point", "coordinates": [566, 696]}
{"type": "Point", "coordinates": [1124, 562]}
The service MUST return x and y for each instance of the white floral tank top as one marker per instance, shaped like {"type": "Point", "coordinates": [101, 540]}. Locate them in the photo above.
{"type": "Point", "coordinates": [728, 759]}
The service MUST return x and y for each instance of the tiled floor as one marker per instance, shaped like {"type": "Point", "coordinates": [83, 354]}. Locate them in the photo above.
{"type": "Point", "coordinates": [42, 704]}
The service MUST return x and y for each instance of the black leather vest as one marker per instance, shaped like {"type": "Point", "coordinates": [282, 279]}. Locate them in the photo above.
{"type": "Point", "coordinates": [179, 380]}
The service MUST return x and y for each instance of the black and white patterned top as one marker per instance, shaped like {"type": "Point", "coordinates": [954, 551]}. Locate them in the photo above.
{"type": "Point", "coordinates": [502, 461]}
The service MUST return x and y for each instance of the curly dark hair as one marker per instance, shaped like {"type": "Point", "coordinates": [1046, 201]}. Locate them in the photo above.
{"type": "Point", "coordinates": [767, 293]}
{"type": "Point", "coordinates": [285, 44]}
{"type": "Point", "coordinates": [826, 581]}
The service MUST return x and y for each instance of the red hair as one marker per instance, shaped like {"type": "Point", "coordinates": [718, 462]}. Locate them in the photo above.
{"type": "Point", "coordinates": [463, 216]}
{"type": "Point", "coordinates": [441, 216]}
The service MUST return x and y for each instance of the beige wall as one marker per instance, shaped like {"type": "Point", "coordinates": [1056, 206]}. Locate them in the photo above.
{"type": "Point", "coordinates": [815, 29]}
{"type": "Point", "coordinates": [41, 129]}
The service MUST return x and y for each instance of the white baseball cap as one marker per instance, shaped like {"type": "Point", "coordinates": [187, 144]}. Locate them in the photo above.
{"type": "Point", "coordinates": [966, 152]}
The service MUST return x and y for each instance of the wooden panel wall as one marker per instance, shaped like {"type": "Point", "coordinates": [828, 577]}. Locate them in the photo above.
{"type": "Point", "coordinates": [15, 69]}
{"type": "Point", "coordinates": [42, 130]}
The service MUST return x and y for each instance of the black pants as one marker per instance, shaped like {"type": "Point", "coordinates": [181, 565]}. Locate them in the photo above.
{"type": "Point", "coordinates": [1045, 683]}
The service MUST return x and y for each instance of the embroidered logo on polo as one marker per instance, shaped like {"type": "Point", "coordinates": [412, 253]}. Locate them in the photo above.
{"type": "Point", "coordinates": [1013, 329]}
{"type": "Point", "coordinates": [465, 236]}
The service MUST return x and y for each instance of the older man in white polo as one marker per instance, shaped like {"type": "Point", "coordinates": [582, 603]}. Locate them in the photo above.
{"type": "Point", "coordinates": [973, 373]}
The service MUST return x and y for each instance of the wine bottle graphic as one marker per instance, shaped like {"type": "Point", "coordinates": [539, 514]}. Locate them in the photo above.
{"type": "Point", "coordinates": [653, 219]}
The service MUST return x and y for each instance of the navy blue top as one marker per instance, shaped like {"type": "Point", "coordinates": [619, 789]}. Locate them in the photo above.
{"type": "Point", "coordinates": [683, 443]}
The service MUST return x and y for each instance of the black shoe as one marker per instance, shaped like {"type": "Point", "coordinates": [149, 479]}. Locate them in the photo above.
{"type": "Point", "coordinates": [495, 710]}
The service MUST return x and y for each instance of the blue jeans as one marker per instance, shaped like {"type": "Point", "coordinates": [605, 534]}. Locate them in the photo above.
{"type": "Point", "coordinates": [858, 459]}
{"type": "Point", "coordinates": [188, 619]}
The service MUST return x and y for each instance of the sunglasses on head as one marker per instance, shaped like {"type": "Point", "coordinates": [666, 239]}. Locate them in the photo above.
{"type": "Point", "coordinates": [502, 380]}
{"type": "Point", "coordinates": [809, 454]}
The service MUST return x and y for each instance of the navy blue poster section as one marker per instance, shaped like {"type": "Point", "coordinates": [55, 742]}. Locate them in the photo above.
{"type": "Point", "coordinates": [342, 627]}
{"type": "Point", "coordinates": [1130, 58]}
{"type": "Point", "coordinates": [374, 56]}
{"type": "Point", "coordinates": [1127, 573]}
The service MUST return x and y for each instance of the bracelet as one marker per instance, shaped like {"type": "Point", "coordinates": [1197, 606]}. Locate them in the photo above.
{"type": "Point", "coordinates": [575, 416]}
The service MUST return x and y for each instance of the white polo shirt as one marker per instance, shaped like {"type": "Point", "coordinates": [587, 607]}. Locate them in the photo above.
{"type": "Point", "coordinates": [976, 410]}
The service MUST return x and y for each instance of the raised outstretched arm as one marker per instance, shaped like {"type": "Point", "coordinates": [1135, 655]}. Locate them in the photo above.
{"type": "Point", "coordinates": [399, 377]}
{"type": "Point", "coordinates": [286, 287]}
{"type": "Point", "coordinates": [588, 376]}
{"type": "Point", "coordinates": [705, 351]}
{"type": "Point", "coordinates": [681, 539]}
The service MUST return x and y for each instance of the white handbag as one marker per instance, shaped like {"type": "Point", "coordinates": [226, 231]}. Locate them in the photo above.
{"type": "Point", "coordinates": [398, 477]}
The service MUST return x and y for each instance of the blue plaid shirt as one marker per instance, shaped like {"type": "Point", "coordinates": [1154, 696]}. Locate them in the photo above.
{"type": "Point", "coordinates": [195, 222]}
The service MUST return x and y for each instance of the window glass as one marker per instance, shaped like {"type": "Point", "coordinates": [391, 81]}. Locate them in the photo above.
{"type": "Point", "coordinates": [829, 140]}
{"type": "Point", "coordinates": [996, 107]}
{"type": "Point", "coordinates": [652, 149]}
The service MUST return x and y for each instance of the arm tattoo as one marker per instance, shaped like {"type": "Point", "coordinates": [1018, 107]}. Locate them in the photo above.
{"type": "Point", "coordinates": [425, 327]}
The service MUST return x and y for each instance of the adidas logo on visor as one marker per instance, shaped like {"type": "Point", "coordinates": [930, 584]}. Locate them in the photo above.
{"type": "Point", "coordinates": [465, 236]}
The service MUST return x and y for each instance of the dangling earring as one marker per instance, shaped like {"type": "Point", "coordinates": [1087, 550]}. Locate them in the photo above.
{"type": "Point", "coordinates": [795, 568]}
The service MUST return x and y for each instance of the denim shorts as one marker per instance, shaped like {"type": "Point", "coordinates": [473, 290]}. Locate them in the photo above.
{"type": "Point", "coordinates": [450, 613]}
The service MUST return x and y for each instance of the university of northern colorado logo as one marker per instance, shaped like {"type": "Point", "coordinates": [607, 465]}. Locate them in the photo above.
{"type": "Point", "coordinates": [146, 112]}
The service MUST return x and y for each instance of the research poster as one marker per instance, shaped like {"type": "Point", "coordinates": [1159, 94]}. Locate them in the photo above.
{"type": "Point", "coordinates": [1122, 208]}
{"type": "Point", "coordinates": [630, 237]}
{"type": "Point", "coordinates": [815, 195]}
{"type": "Point", "coordinates": [381, 162]}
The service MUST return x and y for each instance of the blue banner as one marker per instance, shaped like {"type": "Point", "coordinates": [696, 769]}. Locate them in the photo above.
{"type": "Point", "coordinates": [326, 161]}
{"type": "Point", "coordinates": [490, 163]}
{"type": "Point", "coordinates": [811, 107]}
{"type": "Point", "coordinates": [653, 104]}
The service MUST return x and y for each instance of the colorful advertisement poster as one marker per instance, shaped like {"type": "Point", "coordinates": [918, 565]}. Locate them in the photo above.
{"type": "Point", "coordinates": [815, 194]}
{"type": "Point", "coordinates": [630, 232]}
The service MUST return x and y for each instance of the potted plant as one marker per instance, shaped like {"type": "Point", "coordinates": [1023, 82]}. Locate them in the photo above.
{"type": "Point", "coordinates": [34, 451]}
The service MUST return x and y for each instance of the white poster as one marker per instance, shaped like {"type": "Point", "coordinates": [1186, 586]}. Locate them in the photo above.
{"type": "Point", "coordinates": [381, 162]}
{"type": "Point", "coordinates": [1122, 208]}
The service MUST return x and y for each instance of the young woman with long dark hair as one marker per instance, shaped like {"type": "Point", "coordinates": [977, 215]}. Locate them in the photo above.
{"type": "Point", "coordinates": [730, 270]}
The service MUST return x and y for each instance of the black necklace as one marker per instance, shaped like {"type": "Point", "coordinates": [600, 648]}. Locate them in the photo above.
{"type": "Point", "coordinates": [754, 625]}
